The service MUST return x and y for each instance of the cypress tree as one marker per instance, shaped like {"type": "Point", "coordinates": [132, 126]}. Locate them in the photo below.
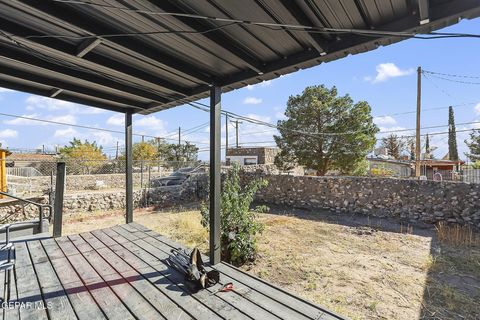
{"type": "Point", "coordinates": [452, 136]}
{"type": "Point", "coordinates": [427, 147]}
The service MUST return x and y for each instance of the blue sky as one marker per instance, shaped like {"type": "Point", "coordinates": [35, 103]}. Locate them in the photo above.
{"type": "Point", "coordinates": [386, 78]}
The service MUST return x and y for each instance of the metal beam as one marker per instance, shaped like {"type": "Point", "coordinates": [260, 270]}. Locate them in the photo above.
{"type": "Point", "coordinates": [215, 178]}
{"type": "Point", "coordinates": [128, 168]}
{"type": "Point", "coordinates": [96, 78]}
{"type": "Point", "coordinates": [74, 16]}
{"type": "Point", "coordinates": [65, 52]}
{"type": "Point", "coordinates": [32, 88]}
{"type": "Point", "coordinates": [316, 40]}
{"type": "Point", "coordinates": [353, 43]}
{"type": "Point", "coordinates": [219, 37]}
{"type": "Point", "coordinates": [86, 46]}
{"type": "Point", "coordinates": [64, 84]}
{"type": "Point", "coordinates": [423, 11]}
{"type": "Point", "coordinates": [58, 202]}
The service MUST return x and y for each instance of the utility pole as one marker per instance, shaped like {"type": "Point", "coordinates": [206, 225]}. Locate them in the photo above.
{"type": "Point", "coordinates": [116, 152]}
{"type": "Point", "coordinates": [179, 135]}
{"type": "Point", "coordinates": [417, 137]}
{"type": "Point", "coordinates": [143, 139]}
{"type": "Point", "coordinates": [226, 136]}
{"type": "Point", "coordinates": [236, 131]}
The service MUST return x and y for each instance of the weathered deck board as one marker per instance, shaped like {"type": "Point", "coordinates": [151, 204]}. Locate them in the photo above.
{"type": "Point", "coordinates": [56, 300]}
{"type": "Point", "coordinates": [108, 302]}
{"type": "Point", "coordinates": [307, 309]}
{"type": "Point", "coordinates": [123, 273]}
{"type": "Point", "coordinates": [157, 279]}
{"type": "Point", "coordinates": [174, 277]}
{"type": "Point", "coordinates": [235, 298]}
{"type": "Point", "coordinates": [28, 290]}
{"type": "Point", "coordinates": [83, 303]}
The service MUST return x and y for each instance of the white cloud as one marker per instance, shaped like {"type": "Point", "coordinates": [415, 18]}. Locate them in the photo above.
{"type": "Point", "coordinates": [5, 90]}
{"type": "Point", "coordinates": [389, 129]}
{"type": "Point", "coordinates": [38, 102]}
{"type": "Point", "coordinates": [50, 104]}
{"type": "Point", "coordinates": [386, 71]}
{"type": "Point", "coordinates": [148, 121]}
{"type": "Point", "coordinates": [262, 84]}
{"type": "Point", "coordinates": [252, 100]}
{"type": "Point", "coordinates": [280, 115]}
{"type": "Point", "coordinates": [104, 138]}
{"type": "Point", "coordinates": [477, 108]}
{"type": "Point", "coordinates": [70, 119]}
{"type": "Point", "coordinates": [116, 120]}
{"type": "Point", "coordinates": [8, 133]}
{"type": "Point", "coordinates": [66, 133]}
{"type": "Point", "coordinates": [386, 120]}
{"type": "Point", "coordinates": [20, 121]}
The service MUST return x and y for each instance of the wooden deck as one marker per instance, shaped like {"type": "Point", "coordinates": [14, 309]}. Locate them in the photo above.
{"type": "Point", "coordinates": [122, 273]}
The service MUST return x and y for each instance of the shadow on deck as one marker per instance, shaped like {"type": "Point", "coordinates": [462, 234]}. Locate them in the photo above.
{"type": "Point", "coordinates": [122, 273]}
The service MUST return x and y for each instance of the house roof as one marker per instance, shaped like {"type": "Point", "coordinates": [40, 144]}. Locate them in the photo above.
{"type": "Point", "coordinates": [30, 156]}
{"type": "Point", "coordinates": [443, 162]}
{"type": "Point", "coordinates": [71, 50]}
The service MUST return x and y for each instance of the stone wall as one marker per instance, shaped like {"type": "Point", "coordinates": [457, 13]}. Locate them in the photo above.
{"type": "Point", "coordinates": [411, 200]}
{"type": "Point", "coordinates": [194, 189]}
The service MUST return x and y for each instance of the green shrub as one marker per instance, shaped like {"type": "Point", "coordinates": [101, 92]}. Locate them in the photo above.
{"type": "Point", "coordinates": [239, 225]}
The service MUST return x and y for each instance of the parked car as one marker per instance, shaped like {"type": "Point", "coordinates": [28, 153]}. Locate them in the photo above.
{"type": "Point", "coordinates": [176, 178]}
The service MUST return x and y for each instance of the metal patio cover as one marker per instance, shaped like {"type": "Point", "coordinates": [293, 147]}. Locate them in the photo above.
{"type": "Point", "coordinates": [146, 73]}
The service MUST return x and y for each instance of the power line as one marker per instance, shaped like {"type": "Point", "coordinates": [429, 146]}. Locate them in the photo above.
{"type": "Point", "coordinates": [259, 122]}
{"type": "Point", "coordinates": [452, 80]}
{"type": "Point", "coordinates": [284, 26]}
{"type": "Point", "coordinates": [451, 75]}
{"type": "Point", "coordinates": [129, 34]}
{"type": "Point", "coordinates": [84, 127]}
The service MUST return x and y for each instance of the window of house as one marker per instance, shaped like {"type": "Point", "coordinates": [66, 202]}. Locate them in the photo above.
{"type": "Point", "coordinates": [249, 161]}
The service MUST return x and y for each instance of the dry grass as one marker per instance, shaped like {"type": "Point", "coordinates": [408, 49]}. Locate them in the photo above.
{"type": "Point", "coordinates": [456, 235]}
{"type": "Point", "coordinates": [362, 273]}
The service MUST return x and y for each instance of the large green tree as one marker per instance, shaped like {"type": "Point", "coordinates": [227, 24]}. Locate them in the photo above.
{"type": "Point", "coordinates": [324, 131]}
{"type": "Point", "coordinates": [474, 146]}
{"type": "Point", "coordinates": [452, 136]}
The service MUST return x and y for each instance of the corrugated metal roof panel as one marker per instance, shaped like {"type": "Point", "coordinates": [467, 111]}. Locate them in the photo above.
{"type": "Point", "coordinates": [152, 72]}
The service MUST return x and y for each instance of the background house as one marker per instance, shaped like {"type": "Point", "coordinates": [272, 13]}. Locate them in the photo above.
{"type": "Point", "coordinates": [251, 155]}
{"type": "Point", "coordinates": [389, 167]}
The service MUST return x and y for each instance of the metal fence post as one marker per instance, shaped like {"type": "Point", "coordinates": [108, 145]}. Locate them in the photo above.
{"type": "Point", "coordinates": [58, 206]}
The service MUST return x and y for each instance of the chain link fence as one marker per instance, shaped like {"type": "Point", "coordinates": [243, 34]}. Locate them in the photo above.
{"type": "Point", "coordinates": [30, 178]}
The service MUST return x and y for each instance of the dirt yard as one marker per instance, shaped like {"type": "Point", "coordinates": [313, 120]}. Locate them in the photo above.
{"type": "Point", "coordinates": [358, 267]}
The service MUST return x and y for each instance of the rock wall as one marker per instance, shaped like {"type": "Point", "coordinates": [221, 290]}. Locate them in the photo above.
{"type": "Point", "coordinates": [412, 200]}
{"type": "Point", "coordinates": [194, 189]}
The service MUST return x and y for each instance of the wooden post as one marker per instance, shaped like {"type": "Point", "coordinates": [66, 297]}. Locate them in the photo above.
{"type": "Point", "coordinates": [3, 171]}
{"type": "Point", "coordinates": [215, 180]}
{"type": "Point", "coordinates": [58, 205]}
{"type": "Point", "coordinates": [417, 138]}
